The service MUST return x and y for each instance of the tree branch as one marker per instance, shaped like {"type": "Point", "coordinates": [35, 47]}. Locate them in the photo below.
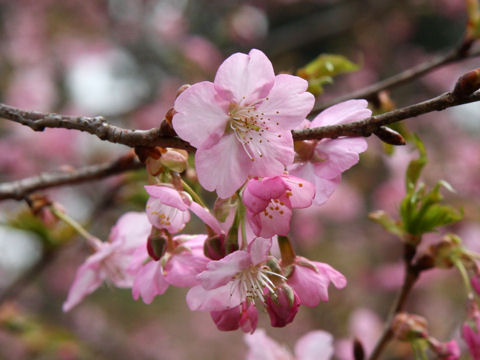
{"type": "Point", "coordinates": [17, 190]}
{"type": "Point", "coordinates": [368, 126]}
{"type": "Point", "coordinates": [97, 126]}
{"type": "Point", "coordinates": [165, 137]}
{"type": "Point", "coordinates": [405, 76]}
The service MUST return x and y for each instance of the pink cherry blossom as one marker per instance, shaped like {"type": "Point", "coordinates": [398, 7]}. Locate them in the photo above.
{"type": "Point", "coordinates": [322, 161]}
{"type": "Point", "coordinates": [310, 280]}
{"type": "Point", "coordinates": [240, 123]}
{"type": "Point", "coordinates": [315, 345]}
{"type": "Point", "coordinates": [239, 277]}
{"type": "Point", "coordinates": [111, 258]}
{"type": "Point", "coordinates": [471, 332]}
{"type": "Point", "coordinates": [168, 208]}
{"type": "Point", "coordinates": [282, 306]}
{"type": "Point", "coordinates": [445, 351]}
{"type": "Point", "coordinates": [269, 202]}
{"type": "Point", "coordinates": [180, 265]}
{"type": "Point", "coordinates": [244, 316]}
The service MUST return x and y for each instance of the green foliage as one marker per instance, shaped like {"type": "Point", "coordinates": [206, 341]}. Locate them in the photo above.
{"type": "Point", "coordinates": [322, 70]}
{"type": "Point", "coordinates": [51, 237]}
{"type": "Point", "coordinates": [421, 210]}
{"type": "Point", "coordinates": [392, 226]}
{"type": "Point", "coordinates": [416, 166]}
{"type": "Point", "coordinates": [473, 22]}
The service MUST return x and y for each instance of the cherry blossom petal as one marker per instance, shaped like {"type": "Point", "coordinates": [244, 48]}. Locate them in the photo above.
{"type": "Point", "coordinates": [132, 228]}
{"type": "Point", "coordinates": [336, 277]}
{"type": "Point", "coordinates": [221, 298]}
{"type": "Point", "coordinates": [182, 270]}
{"type": "Point", "coordinates": [206, 217]}
{"type": "Point", "coordinates": [315, 345]}
{"type": "Point", "coordinates": [167, 195]}
{"type": "Point", "coordinates": [223, 167]}
{"type": "Point", "coordinates": [339, 155]}
{"type": "Point", "coordinates": [275, 222]}
{"type": "Point", "coordinates": [87, 280]}
{"type": "Point", "coordinates": [166, 217]}
{"type": "Point", "coordinates": [220, 272]}
{"type": "Point", "coordinates": [262, 347]}
{"type": "Point", "coordinates": [259, 249]}
{"type": "Point", "coordinates": [245, 78]}
{"type": "Point", "coordinates": [324, 188]}
{"type": "Point", "coordinates": [276, 149]}
{"type": "Point", "coordinates": [227, 320]}
{"type": "Point", "coordinates": [149, 282]}
{"type": "Point", "coordinates": [288, 102]}
{"type": "Point", "coordinates": [302, 192]}
{"type": "Point", "coordinates": [259, 192]}
{"type": "Point", "coordinates": [201, 116]}
{"type": "Point", "coordinates": [344, 112]}
{"type": "Point", "coordinates": [310, 286]}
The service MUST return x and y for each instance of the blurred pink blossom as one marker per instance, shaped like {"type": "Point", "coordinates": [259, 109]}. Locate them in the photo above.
{"type": "Point", "coordinates": [315, 345]}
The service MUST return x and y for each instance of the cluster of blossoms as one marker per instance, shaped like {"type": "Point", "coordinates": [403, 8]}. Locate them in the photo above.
{"type": "Point", "coordinates": [240, 125]}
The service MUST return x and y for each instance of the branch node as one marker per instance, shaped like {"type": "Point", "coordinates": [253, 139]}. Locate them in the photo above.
{"type": "Point", "coordinates": [389, 136]}
{"type": "Point", "coordinates": [467, 84]}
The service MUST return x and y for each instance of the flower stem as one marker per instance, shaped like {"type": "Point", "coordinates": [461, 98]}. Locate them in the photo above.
{"type": "Point", "coordinates": [463, 272]}
{"type": "Point", "coordinates": [91, 240]}
{"type": "Point", "coordinates": [193, 194]}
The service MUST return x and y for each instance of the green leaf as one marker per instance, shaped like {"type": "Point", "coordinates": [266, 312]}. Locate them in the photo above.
{"type": "Point", "coordinates": [382, 218]}
{"type": "Point", "coordinates": [437, 215]}
{"type": "Point", "coordinates": [315, 86]}
{"type": "Point", "coordinates": [416, 166]}
{"type": "Point", "coordinates": [322, 70]}
{"type": "Point", "coordinates": [473, 22]}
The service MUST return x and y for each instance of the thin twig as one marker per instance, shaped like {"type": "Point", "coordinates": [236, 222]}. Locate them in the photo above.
{"type": "Point", "coordinates": [398, 306]}
{"type": "Point", "coordinates": [413, 269]}
{"type": "Point", "coordinates": [405, 76]}
{"type": "Point", "coordinates": [19, 189]}
{"type": "Point", "coordinates": [368, 126]}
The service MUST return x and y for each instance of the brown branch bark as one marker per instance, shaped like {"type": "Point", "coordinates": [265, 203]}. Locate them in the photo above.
{"type": "Point", "coordinates": [159, 137]}
{"type": "Point", "coordinates": [97, 126]}
{"type": "Point", "coordinates": [368, 126]}
{"type": "Point", "coordinates": [17, 190]}
{"type": "Point", "coordinates": [413, 269]}
{"type": "Point", "coordinates": [405, 76]}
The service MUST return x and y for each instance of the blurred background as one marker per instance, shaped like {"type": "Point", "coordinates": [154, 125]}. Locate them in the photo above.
{"type": "Point", "coordinates": [125, 59]}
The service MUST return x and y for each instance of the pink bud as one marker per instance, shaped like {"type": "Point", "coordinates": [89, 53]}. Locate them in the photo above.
{"type": "Point", "coordinates": [476, 283]}
{"type": "Point", "coordinates": [157, 243]}
{"type": "Point", "coordinates": [282, 306]}
{"type": "Point", "coordinates": [445, 351]}
{"type": "Point", "coordinates": [471, 331]}
{"type": "Point", "coordinates": [214, 247]}
{"type": "Point", "coordinates": [243, 316]}
{"type": "Point", "coordinates": [174, 159]}
{"type": "Point", "coordinates": [407, 327]}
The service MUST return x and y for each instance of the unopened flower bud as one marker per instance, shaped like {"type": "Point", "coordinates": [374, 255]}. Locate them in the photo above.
{"type": "Point", "coordinates": [243, 316]}
{"type": "Point", "coordinates": [157, 243]}
{"type": "Point", "coordinates": [444, 351]}
{"type": "Point", "coordinates": [214, 247]}
{"type": "Point", "coordinates": [224, 209]}
{"type": "Point", "coordinates": [407, 327]}
{"type": "Point", "coordinates": [174, 159]}
{"type": "Point", "coordinates": [40, 206]}
{"type": "Point", "coordinates": [475, 281]}
{"type": "Point", "coordinates": [445, 250]}
{"type": "Point", "coordinates": [181, 89]}
{"type": "Point", "coordinates": [282, 306]}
